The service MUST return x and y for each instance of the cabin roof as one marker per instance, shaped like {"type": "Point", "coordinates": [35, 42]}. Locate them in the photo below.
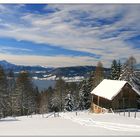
{"type": "Point", "coordinates": [108, 88]}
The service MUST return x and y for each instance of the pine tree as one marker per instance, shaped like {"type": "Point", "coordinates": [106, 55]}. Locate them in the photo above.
{"type": "Point", "coordinates": [50, 92]}
{"type": "Point", "coordinates": [69, 103]}
{"type": "Point", "coordinates": [115, 70]}
{"type": "Point", "coordinates": [14, 98]}
{"type": "Point", "coordinates": [24, 88]}
{"type": "Point", "coordinates": [85, 96]}
{"type": "Point", "coordinates": [119, 67]}
{"type": "Point", "coordinates": [128, 69]}
{"type": "Point", "coordinates": [73, 89]}
{"type": "Point", "coordinates": [91, 82]}
{"type": "Point", "coordinates": [4, 97]}
{"type": "Point", "coordinates": [37, 98]}
{"type": "Point", "coordinates": [55, 103]}
{"type": "Point", "coordinates": [99, 74]}
{"type": "Point", "coordinates": [60, 92]}
{"type": "Point", "coordinates": [81, 96]}
{"type": "Point", "coordinates": [129, 74]}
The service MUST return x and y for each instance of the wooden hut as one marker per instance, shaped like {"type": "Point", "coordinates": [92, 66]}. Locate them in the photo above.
{"type": "Point", "coordinates": [114, 94]}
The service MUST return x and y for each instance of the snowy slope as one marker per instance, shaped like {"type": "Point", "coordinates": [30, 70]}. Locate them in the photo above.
{"type": "Point", "coordinates": [70, 124]}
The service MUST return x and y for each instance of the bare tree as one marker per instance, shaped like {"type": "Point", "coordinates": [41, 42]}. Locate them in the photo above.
{"type": "Point", "coordinates": [99, 74]}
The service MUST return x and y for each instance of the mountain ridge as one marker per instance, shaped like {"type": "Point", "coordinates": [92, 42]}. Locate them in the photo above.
{"type": "Point", "coordinates": [39, 71]}
{"type": "Point", "coordinates": [16, 68]}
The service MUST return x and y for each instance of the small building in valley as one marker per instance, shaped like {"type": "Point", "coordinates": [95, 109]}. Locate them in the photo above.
{"type": "Point", "coordinates": [114, 94]}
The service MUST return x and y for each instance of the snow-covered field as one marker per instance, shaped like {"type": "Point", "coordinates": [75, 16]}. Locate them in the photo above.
{"type": "Point", "coordinates": [71, 124]}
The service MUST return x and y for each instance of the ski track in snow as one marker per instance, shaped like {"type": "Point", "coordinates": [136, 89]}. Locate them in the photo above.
{"type": "Point", "coordinates": [106, 125]}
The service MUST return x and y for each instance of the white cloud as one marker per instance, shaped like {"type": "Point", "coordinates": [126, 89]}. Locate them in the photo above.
{"type": "Point", "coordinates": [5, 49]}
{"type": "Point", "coordinates": [61, 29]}
{"type": "Point", "coordinates": [52, 61]}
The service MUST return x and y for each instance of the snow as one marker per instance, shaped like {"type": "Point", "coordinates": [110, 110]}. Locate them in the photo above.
{"type": "Point", "coordinates": [73, 79]}
{"type": "Point", "coordinates": [46, 78]}
{"type": "Point", "coordinates": [47, 75]}
{"type": "Point", "coordinates": [101, 121]}
{"type": "Point", "coordinates": [40, 71]}
{"type": "Point", "coordinates": [81, 123]}
{"type": "Point", "coordinates": [51, 77]}
{"type": "Point", "coordinates": [35, 77]}
{"type": "Point", "coordinates": [108, 88]}
{"type": "Point", "coordinates": [67, 79]}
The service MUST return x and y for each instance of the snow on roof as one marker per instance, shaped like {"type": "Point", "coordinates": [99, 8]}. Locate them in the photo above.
{"type": "Point", "coordinates": [136, 90]}
{"type": "Point", "coordinates": [108, 88]}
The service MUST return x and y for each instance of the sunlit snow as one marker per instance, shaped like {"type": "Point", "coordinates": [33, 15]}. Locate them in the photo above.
{"type": "Point", "coordinates": [81, 123]}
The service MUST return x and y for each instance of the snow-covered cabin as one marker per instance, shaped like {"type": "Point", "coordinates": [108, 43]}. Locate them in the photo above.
{"type": "Point", "coordinates": [114, 94]}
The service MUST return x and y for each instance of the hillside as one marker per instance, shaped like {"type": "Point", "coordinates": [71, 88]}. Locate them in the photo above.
{"type": "Point", "coordinates": [68, 124]}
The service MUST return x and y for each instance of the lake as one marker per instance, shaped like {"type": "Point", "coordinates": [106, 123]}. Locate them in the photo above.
{"type": "Point", "coordinates": [43, 84]}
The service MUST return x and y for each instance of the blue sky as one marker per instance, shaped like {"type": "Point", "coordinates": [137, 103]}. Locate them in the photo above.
{"type": "Point", "coordinates": [69, 34]}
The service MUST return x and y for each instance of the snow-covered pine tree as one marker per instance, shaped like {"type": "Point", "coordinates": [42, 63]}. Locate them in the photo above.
{"type": "Point", "coordinates": [89, 89]}
{"type": "Point", "coordinates": [84, 94]}
{"type": "Point", "coordinates": [115, 70]}
{"type": "Point", "coordinates": [55, 103]}
{"type": "Point", "coordinates": [15, 100]}
{"type": "Point", "coordinates": [119, 68]}
{"type": "Point", "coordinates": [91, 82]}
{"type": "Point", "coordinates": [69, 103]}
{"type": "Point", "coordinates": [81, 102]}
{"type": "Point", "coordinates": [60, 92]}
{"type": "Point", "coordinates": [50, 92]}
{"type": "Point", "coordinates": [128, 69]}
{"type": "Point", "coordinates": [129, 73]}
{"type": "Point", "coordinates": [73, 88]}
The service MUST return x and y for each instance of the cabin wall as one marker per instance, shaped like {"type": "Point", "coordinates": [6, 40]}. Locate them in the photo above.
{"type": "Point", "coordinates": [104, 103]}
{"type": "Point", "coordinates": [127, 98]}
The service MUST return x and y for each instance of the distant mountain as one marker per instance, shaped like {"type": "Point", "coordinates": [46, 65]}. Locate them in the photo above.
{"type": "Point", "coordinates": [6, 65]}
{"type": "Point", "coordinates": [16, 68]}
{"type": "Point", "coordinates": [74, 71]}
{"type": "Point", "coordinates": [41, 72]}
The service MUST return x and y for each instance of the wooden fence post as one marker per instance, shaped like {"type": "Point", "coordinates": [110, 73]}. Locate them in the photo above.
{"type": "Point", "coordinates": [135, 114]}
{"type": "Point", "coordinates": [128, 113]}
{"type": "Point", "coordinates": [27, 112]}
{"type": "Point", "coordinates": [124, 112]}
{"type": "Point", "coordinates": [42, 112]}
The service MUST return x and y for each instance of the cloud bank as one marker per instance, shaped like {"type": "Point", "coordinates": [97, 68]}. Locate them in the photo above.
{"type": "Point", "coordinates": [103, 30]}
